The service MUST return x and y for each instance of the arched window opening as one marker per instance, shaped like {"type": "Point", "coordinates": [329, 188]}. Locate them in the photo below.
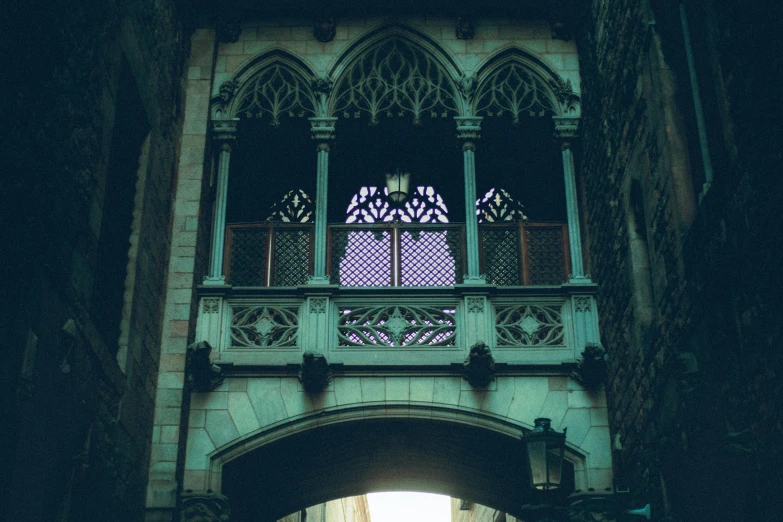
{"type": "Point", "coordinates": [522, 213]}
{"type": "Point", "coordinates": [270, 207]}
{"type": "Point", "coordinates": [376, 241]}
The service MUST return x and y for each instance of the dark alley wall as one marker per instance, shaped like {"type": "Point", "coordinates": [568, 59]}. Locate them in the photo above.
{"type": "Point", "coordinates": [93, 95]}
{"type": "Point", "coordinates": [689, 280]}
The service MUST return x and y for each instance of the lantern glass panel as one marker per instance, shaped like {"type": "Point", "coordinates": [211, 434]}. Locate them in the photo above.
{"type": "Point", "coordinates": [537, 454]}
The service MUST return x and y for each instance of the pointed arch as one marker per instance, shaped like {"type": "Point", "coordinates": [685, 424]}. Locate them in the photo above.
{"type": "Point", "coordinates": [516, 82]}
{"type": "Point", "coordinates": [273, 85]}
{"type": "Point", "coordinates": [444, 435]}
{"type": "Point", "coordinates": [396, 70]}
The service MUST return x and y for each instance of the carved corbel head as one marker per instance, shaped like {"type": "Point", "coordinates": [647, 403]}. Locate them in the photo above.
{"type": "Point", "coordinates": [324, 29]}
{"type": "Point", "coordinates": [466, 28]}
{"type": "Point", "coordinates": [228, 31]}
{"type": "Point", "coordinates": [314, 373]}
{"type": "Point", "coordinates": [205, 507]}
{"type": "Point", "coordinates": [479, 367]}
{"type": "Point", "coordinates": [202, 375]}
{"type": "Point", "coordinates": [591, 369]}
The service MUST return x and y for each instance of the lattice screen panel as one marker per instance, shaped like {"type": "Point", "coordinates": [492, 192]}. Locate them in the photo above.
{"type": "Point", "coordinates": [431, 257]}
{"type": "Point", "coordinates": [545, 255]}
{"type": "Point", "coordinates": [292, 257]}
{"type": "Point", "coordinates": [500, 247]}
{"type": "Point", "coordinates": [397, 326]}
{"type": "Point", "coordinates": [248, 256]}
{"type": "Point", "coordinates": [361, 257]}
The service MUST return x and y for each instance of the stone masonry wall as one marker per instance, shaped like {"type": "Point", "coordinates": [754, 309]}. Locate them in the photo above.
{"type": "Point", "coordinates": [692, 387]}
{"type": "Point", "coordinates": [77, 423]}
{"type": "Point", "coordinates": [211, 63]}
{"type": "Point", "coordinates": [492, 35]}
{"type": "Point", "coordinates": [247, 409]}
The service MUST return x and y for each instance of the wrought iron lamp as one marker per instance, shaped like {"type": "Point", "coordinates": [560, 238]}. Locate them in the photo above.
{"type": "Point", "coordinates": [398, 184]}
{"type": "Point", "coordinates": [545, 450]}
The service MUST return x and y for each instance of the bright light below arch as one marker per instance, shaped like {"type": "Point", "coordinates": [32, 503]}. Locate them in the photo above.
{"type": "Point", "coordinates": [408, 506]}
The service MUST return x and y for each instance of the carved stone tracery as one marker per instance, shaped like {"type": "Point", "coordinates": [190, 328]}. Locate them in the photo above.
{"type": "Point", "coordinates": [529, 325]}
{"type": "Point", "coordinates": [513, 90]}
{"type": "Point", "coordinates": [498, 205]}
{"type": "Point", "coordinates": [395, 78]}
{"type": "Point", "coordinates": [265, 327]}
{"type": "Point", "coordinates": [275, 92]}
{"type": "Point", "coordinates": [397, 326]}
{"type": "Point", "coordinates": [295, 207]}
{"type": "Point", "coordinates": [373, 205]}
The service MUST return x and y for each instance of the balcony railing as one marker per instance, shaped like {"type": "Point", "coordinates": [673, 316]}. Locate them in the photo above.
{"type": "Point", "coordinates": [399, 326]}
{"type": "Point", "coordinates": [524, 253]}
{"type": "Point", "coordinates": [396, 254]}
{"type": "Point", "coordinates": [268, 254]}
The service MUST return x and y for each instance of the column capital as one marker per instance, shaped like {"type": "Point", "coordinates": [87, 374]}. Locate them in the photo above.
{"type": "Point", "coordinates": [322, 128]}
{"type": "Point", "coordinates": [205, 507]}
{"type": "Point", "coordinates": [468, 127]}
{"type": "Point", "coordinates": [566, 127]}
{"type": "Point", "coordinates": [224, 130]}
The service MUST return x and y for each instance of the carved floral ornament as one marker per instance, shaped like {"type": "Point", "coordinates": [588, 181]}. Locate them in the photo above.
{"type": "Point", "coordinates": [397, 77]}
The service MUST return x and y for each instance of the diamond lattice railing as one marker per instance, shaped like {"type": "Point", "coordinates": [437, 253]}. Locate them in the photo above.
{"type": "Point", "coordinates": [501, 254]}
{"type": "Point", "coordinates": [524, 253]}
{"type": "Point", "coordinates": [248, 246]}
{"type": "Point", "coordinates": [431, 257]}
{"type": "Point", "coordinates": [247, 255]}
{"type": "Point", "coordinates": [361, 257]}
{"type": "Point", "coordinates": [546, 255]}
{"type": "Point", "coordinates": [292, 255]}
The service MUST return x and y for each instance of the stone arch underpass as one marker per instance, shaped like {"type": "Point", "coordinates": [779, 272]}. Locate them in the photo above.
{"type": "Point", "coordinates": [272, 449]}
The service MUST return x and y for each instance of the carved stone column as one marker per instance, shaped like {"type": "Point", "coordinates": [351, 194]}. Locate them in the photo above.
{"type": "Point", "coordinates": [565, 130]}
{"type": "Point", "coordinates": [322, 129]}
{"type": "Point", "coordinates": [205, 507]}
{"type": "Point", "coordinates": [224, 133]}
{"type": "Point", "coordinates": [468, 130]}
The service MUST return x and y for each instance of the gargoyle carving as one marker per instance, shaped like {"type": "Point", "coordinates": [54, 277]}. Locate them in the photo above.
{"type": "Point", "coordinates": [314, 374]}
{"type": "Point", "coordinates": [479, 366]}
{"type": "Point", "coordinates": [205, 507]}
{"type": "Point", "coordinates": [202, 375]}
{"type": "Point", "coordinates": [466, 28]}
{"type": "Point", "coordinates": [324, 29]}
{"type": "Point", "coordinates": [591, 369]}
{"type": "Point", "coordinates": [228, 30]}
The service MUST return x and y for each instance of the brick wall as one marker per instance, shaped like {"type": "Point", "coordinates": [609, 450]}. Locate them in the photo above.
{"type": "Point", "coordinates": [693, 389]}
{"type": "Point", "coordinates": [78, 422]}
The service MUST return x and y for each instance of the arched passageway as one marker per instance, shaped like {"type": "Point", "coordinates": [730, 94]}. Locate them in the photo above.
{"type": "Point", "coordinates": [351, 458]}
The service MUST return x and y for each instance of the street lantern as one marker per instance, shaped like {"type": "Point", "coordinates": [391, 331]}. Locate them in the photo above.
{"type": "Point", "coordinates": [398, 184]}
{"type": "Point", "coordinates": [545, 450]}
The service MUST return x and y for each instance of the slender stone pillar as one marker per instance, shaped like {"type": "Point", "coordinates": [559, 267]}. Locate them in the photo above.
{"type": "Point", "coordinates": [565, 130]}
{"type": "Point", "coordinates": [468, 130]}
{"type": "Point", "coordinates": [224, 133]}
{"type": "Point", "coordinates": [322, 129]}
